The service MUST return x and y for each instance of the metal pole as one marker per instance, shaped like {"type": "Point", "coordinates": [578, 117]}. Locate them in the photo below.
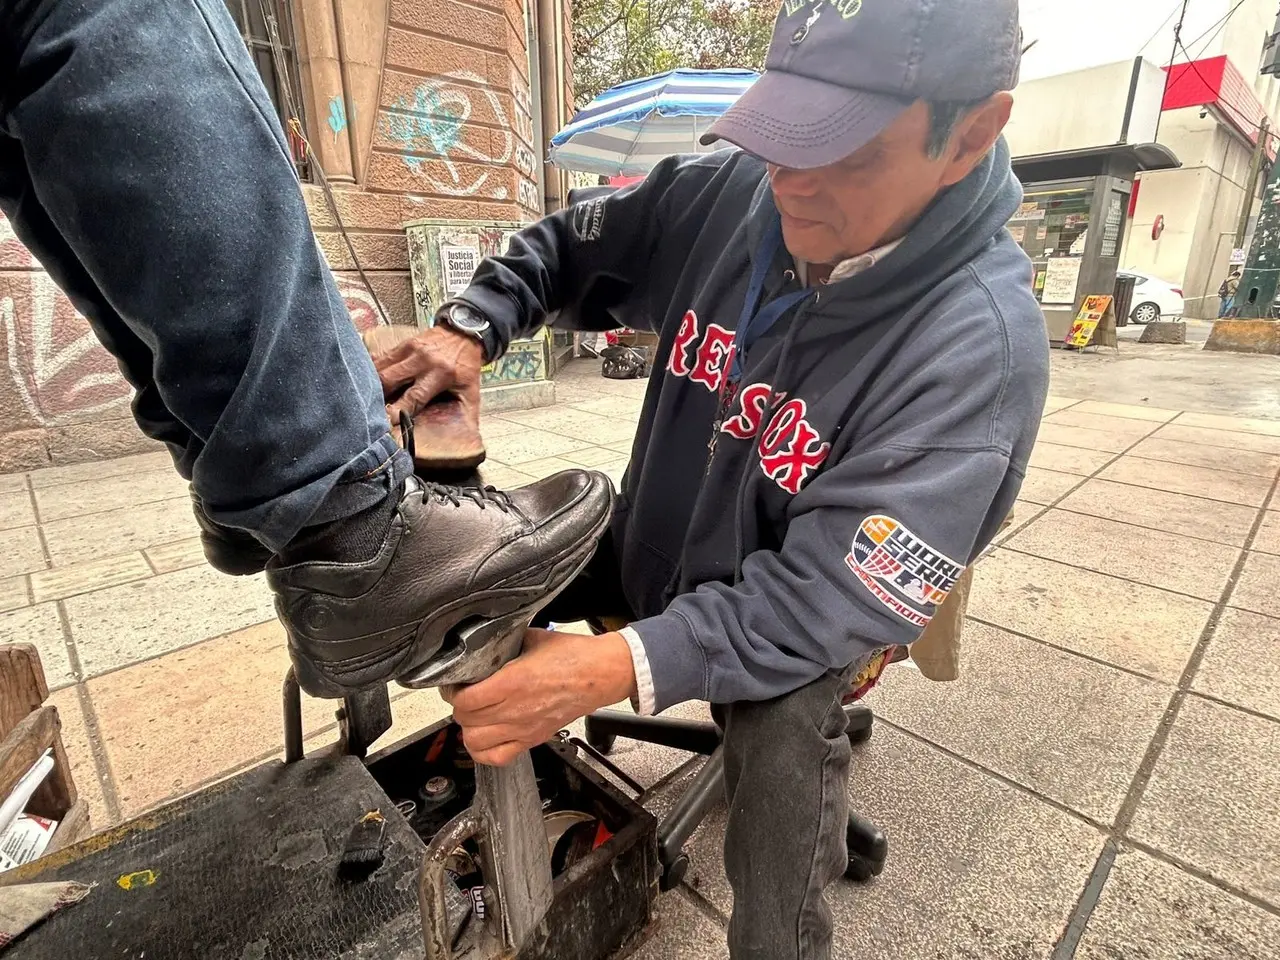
{"type": "Point", "coordinates": [1251, 181]}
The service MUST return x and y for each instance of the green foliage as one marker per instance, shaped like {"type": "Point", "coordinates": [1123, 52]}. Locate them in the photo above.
{"type": "Point", "coordinates": [618, 40]}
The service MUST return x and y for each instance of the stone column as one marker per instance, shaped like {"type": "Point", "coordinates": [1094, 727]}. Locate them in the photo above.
{"type": "Point", "coordinates": [362, 32]}
{"type": "Point", "coordinates": [323, 90]}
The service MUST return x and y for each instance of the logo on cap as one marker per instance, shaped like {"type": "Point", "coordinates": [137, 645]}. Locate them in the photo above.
{"type": "Point", "coordinates": [813, 18]}
{"type": "Point", "coordinates": [846, 9]}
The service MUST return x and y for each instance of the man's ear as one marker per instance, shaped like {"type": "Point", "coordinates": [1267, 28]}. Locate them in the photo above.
{"type": "Point", "coordinates": [975, 135]}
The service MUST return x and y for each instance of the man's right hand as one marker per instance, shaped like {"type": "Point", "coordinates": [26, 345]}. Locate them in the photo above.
{"type": "Point", "coordinates": [436, 361]}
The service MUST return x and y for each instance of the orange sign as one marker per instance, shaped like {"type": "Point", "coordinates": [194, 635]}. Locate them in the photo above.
{"type": "Point", "coordinates": [1092, 312]}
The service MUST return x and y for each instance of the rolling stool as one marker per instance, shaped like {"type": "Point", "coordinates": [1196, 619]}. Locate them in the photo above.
{"type": "Point", "coordinates": [868, 846]}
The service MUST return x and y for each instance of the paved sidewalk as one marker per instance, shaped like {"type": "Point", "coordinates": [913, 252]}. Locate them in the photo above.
{"type": "Point", "coordinates": [1103, 782]}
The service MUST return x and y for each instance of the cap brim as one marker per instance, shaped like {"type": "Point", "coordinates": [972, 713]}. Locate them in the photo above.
{"type": "Point", "coordinates": [802, 123]}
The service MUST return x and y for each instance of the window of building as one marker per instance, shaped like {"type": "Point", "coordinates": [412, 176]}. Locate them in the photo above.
{"type": "Point", "coordinates": [1052, 226]}
{"type": "Point", "coordinates": [255, 19]}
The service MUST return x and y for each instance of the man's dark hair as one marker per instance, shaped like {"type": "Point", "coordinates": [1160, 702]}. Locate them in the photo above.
{"type": "Point", "coordinates": [944, 115]}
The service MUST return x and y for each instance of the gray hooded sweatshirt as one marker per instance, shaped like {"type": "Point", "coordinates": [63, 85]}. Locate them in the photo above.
{"type": "Point", "coordinates": [803, 493]}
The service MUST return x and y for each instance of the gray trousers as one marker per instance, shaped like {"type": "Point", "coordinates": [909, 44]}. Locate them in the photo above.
{"type": "Point", "coordinates": [786, 782]}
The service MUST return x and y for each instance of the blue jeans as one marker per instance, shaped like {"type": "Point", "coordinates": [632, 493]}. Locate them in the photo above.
{"type": "Point", "coordinates": [143, 163]}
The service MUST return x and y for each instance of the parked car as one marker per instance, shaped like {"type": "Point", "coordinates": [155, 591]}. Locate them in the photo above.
{"type": "Point", "coordinates": [1153, 298]}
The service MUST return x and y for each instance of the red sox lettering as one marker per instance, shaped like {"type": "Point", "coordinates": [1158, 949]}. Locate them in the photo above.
{"type": "Point", "coordinates": [790, 449]}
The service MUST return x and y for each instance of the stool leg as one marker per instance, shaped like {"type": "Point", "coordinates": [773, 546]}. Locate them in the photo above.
{"type": "Point", "coordinates": [704, 792]}
{"type": "Point", "coordinates": [696, 736]}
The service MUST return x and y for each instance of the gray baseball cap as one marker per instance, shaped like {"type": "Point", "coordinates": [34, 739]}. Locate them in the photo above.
{"type": "Point", "coordinates": [840, 71]}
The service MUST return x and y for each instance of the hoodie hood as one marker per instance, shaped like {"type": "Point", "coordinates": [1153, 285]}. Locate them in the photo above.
{"type": "Point", "coordinates": [954, 227]}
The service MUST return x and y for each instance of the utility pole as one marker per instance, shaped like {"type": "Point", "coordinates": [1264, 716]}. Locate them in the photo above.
{"type": "Point", "coordinates": [1251, 182]}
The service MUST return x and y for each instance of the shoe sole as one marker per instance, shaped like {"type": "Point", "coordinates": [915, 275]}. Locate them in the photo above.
{"type": "Point", "coordinates": [469, 614]}
{"type": "Point", "coordinates": [477, 646]}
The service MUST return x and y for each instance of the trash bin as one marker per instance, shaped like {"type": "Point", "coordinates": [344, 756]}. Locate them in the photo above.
{"type": "Point", "coordinates": [1123, 297]}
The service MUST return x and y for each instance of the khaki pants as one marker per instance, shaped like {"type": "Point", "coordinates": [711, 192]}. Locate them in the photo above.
{"type": "Point", "coordinates": [937, 652]}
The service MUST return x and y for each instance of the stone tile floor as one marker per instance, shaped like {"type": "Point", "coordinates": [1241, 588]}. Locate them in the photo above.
{"type": "Point", "coordinates": [1103, 782]}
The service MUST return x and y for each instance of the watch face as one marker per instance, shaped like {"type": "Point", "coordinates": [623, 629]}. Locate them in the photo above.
{"type": "Point", "coordinates": [467, 318]}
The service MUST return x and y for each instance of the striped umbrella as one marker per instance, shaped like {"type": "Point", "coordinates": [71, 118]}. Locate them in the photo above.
{"type": "Point", "coordinates": [630, 127]}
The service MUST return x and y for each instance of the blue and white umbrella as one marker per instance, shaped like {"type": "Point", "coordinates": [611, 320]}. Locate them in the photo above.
{"type": "Point", "coordinates": [627, 129]}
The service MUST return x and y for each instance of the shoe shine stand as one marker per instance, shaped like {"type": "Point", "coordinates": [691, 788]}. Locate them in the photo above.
{"type": "Point", "coordinates": [258, 865]}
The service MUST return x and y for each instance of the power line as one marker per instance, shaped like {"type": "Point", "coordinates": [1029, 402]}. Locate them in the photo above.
{"type": "Point", "coordinates": [1164, 23]}
{"type": "Point", "coordinates": [1168, 73]}
{"type": "Point", "coordinates": [1177, 35]}
{"type": "Point", "coordinates": [1216, 28]}
{"type": "Point", "coordinates": [1250, 125]}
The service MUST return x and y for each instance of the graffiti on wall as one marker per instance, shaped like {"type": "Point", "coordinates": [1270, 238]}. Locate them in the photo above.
{"type": "Point", "coordinates": [429, 125]}
{"type": "Point", "coordinates": [360, 303]}
{"type": "Point", "coordinates": [337, 116]}
{"type": "Point", "coordinates": [58, 368]}
{"type": "Point", "coordinates": [60, 371]}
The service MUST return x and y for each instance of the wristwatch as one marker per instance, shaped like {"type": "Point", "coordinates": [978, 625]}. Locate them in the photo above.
{"type": "Point", "coordinates": [465, 319]}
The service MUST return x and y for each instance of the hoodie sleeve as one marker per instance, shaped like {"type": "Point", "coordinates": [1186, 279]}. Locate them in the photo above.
{"type": "Point", "coordinates": [874, 544]}
{"type": "Point", "coordinates": [581, 260]}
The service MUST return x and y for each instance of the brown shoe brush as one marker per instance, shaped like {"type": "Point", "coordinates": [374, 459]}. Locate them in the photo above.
{"type": "Point", "coordinates": [445, 438]}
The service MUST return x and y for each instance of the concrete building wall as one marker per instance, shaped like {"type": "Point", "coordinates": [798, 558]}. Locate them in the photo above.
{"type": "Point", "coordinates": [414, 108]}
{"type": "Point", "coordinates": [1200, 204]}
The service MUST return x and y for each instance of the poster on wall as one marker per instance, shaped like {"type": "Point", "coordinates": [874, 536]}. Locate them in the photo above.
{"type": "Point", "coordinates": [459, 264]}
{"type": "Point", "coordinates": [1111, 227]}
{"type": "Point", "coordinates": [1042, 231]}
{"type": "Point", "coordinates": [1062, 275]}
{"type": "Point", "coordinates": [1019, 233]}
{"type": "Point", "coordinates": [1030, 210]}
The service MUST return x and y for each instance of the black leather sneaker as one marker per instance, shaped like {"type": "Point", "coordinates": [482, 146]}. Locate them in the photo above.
{"type": "Point", "coordinates": [455, 560]}
{"type": "Point", "coordinates": [227, 549]}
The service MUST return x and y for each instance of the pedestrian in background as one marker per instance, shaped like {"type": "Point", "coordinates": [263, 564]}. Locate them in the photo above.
{"type": "Point", "coordinates": [1228, 291]}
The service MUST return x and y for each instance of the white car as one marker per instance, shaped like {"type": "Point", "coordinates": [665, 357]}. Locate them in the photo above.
{"type": "Point", "coordinates": [1153, 298]}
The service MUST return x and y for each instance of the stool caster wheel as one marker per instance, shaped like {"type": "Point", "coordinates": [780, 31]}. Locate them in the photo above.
{"type": "Point", "coordinates": [861, 736]}
{"type": "Point", "coordinates": [674, 873]}
{"type": "Point", "coordinates": [600, 741]}
{"type": "Point", "coordinates": [860, 869]}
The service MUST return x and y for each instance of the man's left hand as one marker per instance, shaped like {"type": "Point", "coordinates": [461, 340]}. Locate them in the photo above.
{"type": "Point", "coordinates": [558, 678]}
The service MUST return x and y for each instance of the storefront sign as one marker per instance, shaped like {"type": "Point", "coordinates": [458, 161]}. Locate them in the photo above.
{"type": "Point", "coordinates": [1029, 210]}
{"type": "Point", "coordinates": [1092, 312]}
{"type": "Point", "coordinates": [1062, 275]}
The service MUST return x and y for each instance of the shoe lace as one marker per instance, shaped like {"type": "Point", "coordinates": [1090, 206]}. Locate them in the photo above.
{"type": "Point", "coordinates": [481, 496]}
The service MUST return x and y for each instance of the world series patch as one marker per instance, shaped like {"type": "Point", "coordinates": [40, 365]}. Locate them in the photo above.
{"type": "Point", "coordinates": [900, 570]}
